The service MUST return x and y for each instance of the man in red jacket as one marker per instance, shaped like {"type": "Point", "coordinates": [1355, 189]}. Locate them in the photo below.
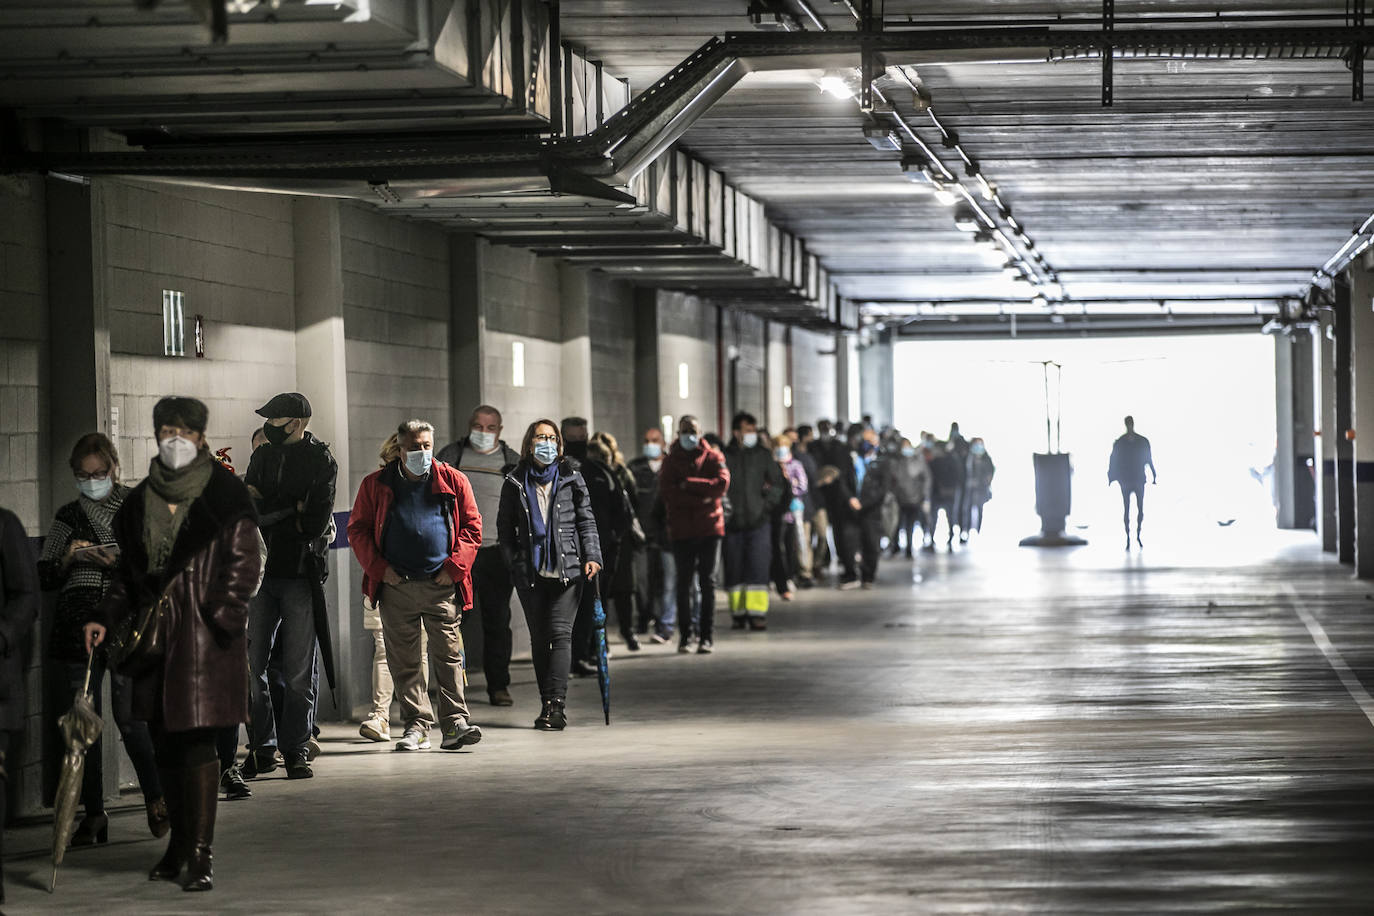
{"type": "Point", "coordinates": [691, 483]}
{"type": "Point", "coordinates": [415, 529]}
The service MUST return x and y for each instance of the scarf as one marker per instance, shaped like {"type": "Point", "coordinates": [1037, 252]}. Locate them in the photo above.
{"type": "Point", "coordinates": [167, 487]}
{"type": "Point", "coordinates": [541, 536]}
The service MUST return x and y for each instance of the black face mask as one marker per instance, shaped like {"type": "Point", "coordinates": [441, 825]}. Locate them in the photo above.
{"type": "Point", "coordinates": [577, 449]}
{"type": "Point", "coordinates": [276, 435]}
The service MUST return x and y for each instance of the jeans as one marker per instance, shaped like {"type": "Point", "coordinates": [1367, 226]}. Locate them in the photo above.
{"type": "Point", "coordinates": [138, 743]}
{"type": "Point", "coordinates": [550, 606]}
{"type": "Point", "coordinates": [748, 556]}
{"type": "Point", "coordinates": [665, 593]}
{"type": "Point", "coordinates": [910, 520]}
{"type": "Point", "coordinates": [284, 608]}
{"type": "Point", "coordinates": [695, 559]}
{"type": "Point", "coordinates": [491, 581]}
{"type": "Point", "coordinates": [408, 610]}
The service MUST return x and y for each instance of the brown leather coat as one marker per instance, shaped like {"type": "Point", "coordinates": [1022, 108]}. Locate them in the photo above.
{"type": "Point", "coordinates": [213, 569]}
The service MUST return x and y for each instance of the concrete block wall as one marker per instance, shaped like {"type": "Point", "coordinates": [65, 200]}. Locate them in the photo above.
{"type": "Point", "coordinates": [611, 322]}
{"type": "Point", "coordinates": [747, 334]}
{"type": "Point", "coordinates": [396, 314]}
{"type": "Point", "coordinates": [687, 334]}
{"type": "Point", "coordinates": [813, 376]}
{"type": "Point", "coordinates": [23, 337]}
{"type": "Point", "coordinates": [523, 305]}
{"type": "Point", "coordinates": [230, 254]}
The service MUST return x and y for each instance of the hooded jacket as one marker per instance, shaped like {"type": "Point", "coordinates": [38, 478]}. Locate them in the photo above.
{"type": "Point", "coordinates": [757, 486]}
{"type": "Point", "coordinates": [691, 486]}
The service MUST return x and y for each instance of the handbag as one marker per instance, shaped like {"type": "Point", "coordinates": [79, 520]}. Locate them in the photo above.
{"type": "Point", "coordinates": [137, 644]}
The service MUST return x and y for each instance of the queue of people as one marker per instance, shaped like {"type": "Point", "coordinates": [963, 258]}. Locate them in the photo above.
{"type": "Point", "coordinates": [235, 572]}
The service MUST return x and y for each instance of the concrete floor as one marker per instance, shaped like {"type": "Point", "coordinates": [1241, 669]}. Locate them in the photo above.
{"type": "Point", "coordinates": [1071, 732]}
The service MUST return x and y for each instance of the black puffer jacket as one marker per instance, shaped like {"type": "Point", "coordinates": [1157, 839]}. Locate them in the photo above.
{"type": "Point", "coordinates": [757, 486]}
{"type": "Point", "coordinates": [570, 515]}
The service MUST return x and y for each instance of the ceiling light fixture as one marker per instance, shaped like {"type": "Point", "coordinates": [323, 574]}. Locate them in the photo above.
{"type": "Point", "coordinates": [882, 139]}
{"type": "Point", "coordinates": [835, 85]}
{"type": "Point", "coordinates": [965, 220]}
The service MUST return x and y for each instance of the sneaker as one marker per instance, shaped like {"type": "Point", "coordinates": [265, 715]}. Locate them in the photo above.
{"type": "Point", "coordinates": [261, 761]}
{"type": "Point", "coordinates": [685, 647]}
{"type": "Point", "coordinates": [457, 737]}
{"type": "Point", "coordinates": [757, 623]}
{"type": "Point", "coordinates": [867, 586]}
{"type": "Point", "coordinates": [704, 647]}
{"type": "Point", "coordinates": [298, 765]}
{"type": "Point", "coordinates": [631, 642]}
{"type": "Point", "coordinates": [658, 637]}
{"type": "Point", "coordinates": [312, 748]}
{"type": "Point", "coordinates": [375, 728]}
{"type": "Point", "coordinates": [231, 782]}
{"type": "Point", "coordinates": [849, 585]}
{"type": "Point", "coordinates": [583, 668]}
{"type": "Point", "coordinates": [415, 739]}
{"type": "Point", "coordinates": [500, 697]}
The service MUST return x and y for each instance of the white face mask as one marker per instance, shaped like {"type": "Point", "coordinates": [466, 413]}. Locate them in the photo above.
{"type": "Point", "coordinates": [482, 441]}
{"type": "Point", "coordinates": [176, 452]}
{"type": "Point", "coordinates": [749, 440]}
{"type": "Point", "coordinates": [418, 461]}
{"type": "Point", "coordinates": [97, 488]}
{"type": "Point", "coordinates": [782, 453]}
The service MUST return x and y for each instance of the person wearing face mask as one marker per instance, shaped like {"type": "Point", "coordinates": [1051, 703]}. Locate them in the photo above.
{"type": "Point", "coordinates": [911, 485]}
{"type": "Point", "coordinates": [485, 459]}
{"type": "Point", "coordinates": [786, 522]}
{"type": "Point", "coordinates": [692, 485]}
{"type": "Point", "coordinates": [550, 539]}
{"type": "Point", "coordinates": [415, 529]}
{"type": "Point", "coordinates": [757, 489]}
{"type": "Point", "coordinates": [575, 432]}
{"type": "Point", "coordinates": [657, 583]}
{"type": "Point", "coordinates": [79, 562]}
{"type": "Point", "coordinates": [292, 480]}
{"type": "Point", "coordinates": [977, 485]}
{"type": "Point", "coordinates": [188, 539]}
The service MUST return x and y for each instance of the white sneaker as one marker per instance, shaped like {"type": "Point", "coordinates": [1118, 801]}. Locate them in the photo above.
{"type": "Point", "coordinates": [413, 740]}
{"type": "Point", "coordinates": [375, 728]}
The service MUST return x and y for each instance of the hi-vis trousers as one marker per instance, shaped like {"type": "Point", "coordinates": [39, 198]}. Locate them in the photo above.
{"type": "Point", "coordinates": [748, 555]}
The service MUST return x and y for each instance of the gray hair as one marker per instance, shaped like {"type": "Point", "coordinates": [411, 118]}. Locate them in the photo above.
{"type": "Point", "coordinates": [414, 428]}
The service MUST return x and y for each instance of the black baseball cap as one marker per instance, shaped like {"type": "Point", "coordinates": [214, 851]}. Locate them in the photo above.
{"type": "Point", "coordinates": [290, 404]}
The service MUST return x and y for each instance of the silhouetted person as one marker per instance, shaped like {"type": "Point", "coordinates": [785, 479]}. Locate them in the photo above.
{"type": "Point", "coordinates": [1130, 458]}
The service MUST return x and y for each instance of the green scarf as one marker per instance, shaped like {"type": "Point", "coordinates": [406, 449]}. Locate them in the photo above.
{"type": "Point", "coordinates": [167, 487]}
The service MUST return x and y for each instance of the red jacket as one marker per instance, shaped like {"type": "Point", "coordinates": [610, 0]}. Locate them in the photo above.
{"type": "Point", "coordinates": [368, 521]}
{"type": "Point", "coordinates": [691, 485]}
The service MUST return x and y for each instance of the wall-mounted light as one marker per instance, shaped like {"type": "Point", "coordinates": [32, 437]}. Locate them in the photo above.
{"type": "Point", "coordinates": [517, 363]}
{"type": "Point", "coordinates": [173, 322]}
{"type": "Point", "coordinates": [683, 387]}
{"type": "Point", "coordinates": [787, 396]}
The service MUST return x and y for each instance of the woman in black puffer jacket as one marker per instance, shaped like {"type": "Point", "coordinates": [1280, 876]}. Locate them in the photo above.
{"type": "Point", "coordinates": [548, 535]}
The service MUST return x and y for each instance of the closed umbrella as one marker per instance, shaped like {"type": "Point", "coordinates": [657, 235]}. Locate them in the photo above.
{"type": "Point", "coordinates": [80, 729]}
{"type": "Point", "coordinates": [603, 664]}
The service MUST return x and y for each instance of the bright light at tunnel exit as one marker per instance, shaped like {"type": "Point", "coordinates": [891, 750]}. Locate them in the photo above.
{"type": "Point", "coordinates": [1206, 403]}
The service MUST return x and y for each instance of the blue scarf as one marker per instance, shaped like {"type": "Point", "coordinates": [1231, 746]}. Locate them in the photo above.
{"type": "Point", "coordinates": [541, 532]}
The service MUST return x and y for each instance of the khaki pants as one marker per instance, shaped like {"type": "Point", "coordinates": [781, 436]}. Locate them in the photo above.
{"type": "Point", "coordinates": [383, 688]}
{"type": "Point", "coordinates": [409, 611]}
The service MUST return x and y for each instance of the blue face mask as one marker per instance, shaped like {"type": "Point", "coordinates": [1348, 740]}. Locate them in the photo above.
{"type": "Point", "coordinates": [749, 440]}
{"type": "Point", "coordinates": [97, 488]}
{"type": "Point", "coordinates": [689, 441]}
{"type": "Point", "coordinates": [546, 453]}
{"type": "Point", "coordinates": [418, 461]}
{"type": "Point", "coordinates": [908, 452]}
{"type": "Point", "coordinates": [652, 450]}
{"type": "Point", "coordinates": [978, 449]}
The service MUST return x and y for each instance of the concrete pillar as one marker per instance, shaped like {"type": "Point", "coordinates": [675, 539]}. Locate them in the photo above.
{"type": "Point", "coordinates": [847, 376]}
{"type": "Point", "coordinates": [78, 396]}
{"type": "Point", "coordinates": [322, 376]}
{"type": "Point", "coordinates": [575, 367]}
{"type": "Point", "coordinates": [777, 378]}
{"type": "Point", "coordinates": [1293, 376]}
{"type": "Point", "coordinates": [876, 386]}
{"type": "Point", "coordinates": [1324, 343]}
{"type": "Point", "coordinates": [467, 328]}
{"type": "Point", "coordinates": [650, 400]}
{"type": "Point", "coordinates": [1345, 447]}
{"type": "Point", "coordinates": [1362, 411]}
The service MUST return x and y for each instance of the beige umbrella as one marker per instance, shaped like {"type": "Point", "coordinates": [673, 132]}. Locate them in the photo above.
{"type": "Point", "coordinates": [80, 728]}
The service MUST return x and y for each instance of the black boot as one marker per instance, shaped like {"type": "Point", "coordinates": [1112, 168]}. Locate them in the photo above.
{"type": "Point", "coordinates": [169, 866]}
{"type": "Point", "coordinates": [200, 795]}
{"type": "Point", "coordinates": [558, 714]}
{"type": "Point", "coordinates": [544, 722]}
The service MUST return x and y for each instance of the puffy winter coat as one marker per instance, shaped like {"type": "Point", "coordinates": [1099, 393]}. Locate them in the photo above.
{"type": "Point", "coordinates": [691, 486]}
{"type": "Point", "coordinates": [757, 487]}
{"type": "Point", "coordinates": [570, 516]}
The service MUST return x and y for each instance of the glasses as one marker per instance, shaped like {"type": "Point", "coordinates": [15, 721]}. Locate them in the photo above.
{"type": "Point", "coordinates": [82, 475]}
{"type": "Point", "coordinates": [545, 438]}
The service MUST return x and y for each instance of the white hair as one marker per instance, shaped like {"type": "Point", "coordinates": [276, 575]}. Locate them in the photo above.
{"type": "Point", "coordinates": [411, 428]}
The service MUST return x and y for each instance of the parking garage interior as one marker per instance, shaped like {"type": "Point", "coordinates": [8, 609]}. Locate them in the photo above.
{"type": "Point", "coordinates": [1032, 218]}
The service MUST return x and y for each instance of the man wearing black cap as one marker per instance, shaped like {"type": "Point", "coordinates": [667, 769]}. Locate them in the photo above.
{"type": "Point", "coordinates": [292, 481]}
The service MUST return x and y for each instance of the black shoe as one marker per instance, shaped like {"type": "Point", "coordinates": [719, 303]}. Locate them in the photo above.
{"type": "Point", "coordinates": [738, 623]}
{"type": "Point", "coordinates": [500, 697]}
{"type": "Point", "coordinates": [757, 623]}
{"type": "Point", "coordinates": [298, 765]}
{"type": "Point", "coordinates": [705, 647]}
{"type": "Point", "coordinates": [261, 761]}
{"type": "Point", "coordinates": [558, 714]}
{"type": "Point", "coordinates": [232, 785]}
{"type": "Point", "coordinates": [94, 830]}
{"type": "Point", "coordinates": [631, 642]}
{"type": "Point", "coordinates": [805, 582]}
{"type": "Point", "coordinates": [543, 721]}
{"type": "Point", "coordinates": [581, 668]}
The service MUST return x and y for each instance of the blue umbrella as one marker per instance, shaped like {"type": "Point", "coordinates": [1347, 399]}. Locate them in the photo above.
{"type": "Point", "coordinates": [603, 663]}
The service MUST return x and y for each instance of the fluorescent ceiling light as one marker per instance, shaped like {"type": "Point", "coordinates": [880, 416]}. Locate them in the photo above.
{"type": "Point", "coordinates": [836, 86]}
{"type": "Point", "coordinates": [965, 220]}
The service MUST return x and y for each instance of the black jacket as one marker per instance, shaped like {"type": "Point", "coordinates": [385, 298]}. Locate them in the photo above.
{"type": "Point", "coordinates": [570, 514]}
{"type": "Point", "coordinates": [297, 505]}
{"type": "Point", "coordinates": [648, 506]}
{"type": "Point", "coordinates": [18, 611]}
{"type": "Point", "coordinates": [757, 486]}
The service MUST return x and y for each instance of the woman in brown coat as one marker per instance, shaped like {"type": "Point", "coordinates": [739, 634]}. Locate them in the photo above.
{"type": "Point", "coordinates": [187, 533]}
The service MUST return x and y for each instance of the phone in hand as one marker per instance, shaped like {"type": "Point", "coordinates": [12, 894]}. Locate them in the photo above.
{"type": "Point", "coordinates": [95, 552]}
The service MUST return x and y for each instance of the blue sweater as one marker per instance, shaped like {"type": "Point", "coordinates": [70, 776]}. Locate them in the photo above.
{"type": "Point", "coordinates": [415, 540]}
